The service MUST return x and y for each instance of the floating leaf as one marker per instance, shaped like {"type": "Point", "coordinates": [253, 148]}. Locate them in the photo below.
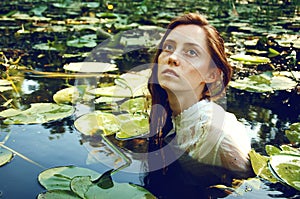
{"type": "Point", "coordinates": [89, 124]}
{"type": "Point", "coordinates": [10, 112]}
{"type": "Point", "coordinates": [114, 91]}
{"type": "Point", "coordinates": [60, 177]}
{"type": "Point", "coordinates": [80, 185]}
{"type": "Point", "coordinates": [282, 83]}
{"type": "Point", "coordinates": [134, 105]}
{"type": "Point", "coordinates": [58, 194]}
{"type": "Point", "coordinates": [46, 47]}
{"type": "Point", "coordinates": [4, 82]}
{"type": "Point", "coordinates": [287, 169]}
{"type": "Point", "coordinates": [5, 156]}
{"type": "Point", "coordinates": [288, 150]}
{"type": "Point", "coordinates": [90, 67]}
{"type": "Point", "coordinates": [75, 182]}
{"type": "Point", "coordinates": [265, 82]}
{"type": "Point", "coordinates": [272, 150]}
{"type": "Point", "coordinates": [133, 125]}
{"type": "Point", "coordinates": [131, 84]}
{"type": "Point", "coordinates": [119, 190]}
{"type": "Point", "coordinates": [5, 85]}
{"type": "Point", "coordinates": [250, 58]}
{"type": "Point", "coordinates": [84, 41]}
{"type": "Point", "coordinates": [72, 95]}
{"type": "Point", "coordinates": [260, 166]}
{"type": "Point", "coordinates": [38, 113]}
{"type": "Point", "coordinates": [5, 88]}
{"type": "Point", "coordinates": [293, 133]}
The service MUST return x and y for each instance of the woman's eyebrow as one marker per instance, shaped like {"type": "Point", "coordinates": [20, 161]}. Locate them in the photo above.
{"type": "Point", "coordinates": [170, 41]}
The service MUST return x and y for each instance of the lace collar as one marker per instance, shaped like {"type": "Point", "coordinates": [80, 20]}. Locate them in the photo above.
{"type": "Point", "coordinates": [201, 111]}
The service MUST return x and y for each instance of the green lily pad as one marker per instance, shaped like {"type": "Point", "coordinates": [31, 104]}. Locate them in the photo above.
{"type": "Point", "coordinates": [288, 150]}
{"type": "Point", "coordinates": [89, 124]}
{"type": "Point", "coordinates": [250, 58]}
{"type": "Point", "coordinates": [75, 182]}
{"type": "Point", "coordinates": [132, 125]}
{"type": "Point", "coordinates": [265, 82]}
{"type": "Point", "coordinates": [37, 113]}
{"type": "Point", "coordinates": [5, 88]}
{"type": "Point", "coordinates": [134, 105]}
{"type": "Point", "coordinates": [80, 185]}
{"type": "Point", "coordinates": [90, 67]}
{"type": "Point", "coordinates": [293, 133]}
{"type": "Point", "coordinates": [126, 126]}
{"type": "Point", "coordinates": [4, 82]}
{"type": "Point", "coordinates": [5, 156]}
{"type": "Point", "coordinates": [131, 84]}
{"type": "Point", "coordinates": [287, 169]}
{"type": "Point", "coordinates": [72, 95]}
{"type": "Point", "coordinates": [59, 178]}
{"type": "Point", "coordinates": [58, 194]}
{"type": "Point", "coordinates": [84, 41]}
{"type": "Point", "coordinates": [260, 166]}
{"type": "Point", "coordinates": [46, 47]}
{"type": "Point", "coordinates": [5, 85]}
{"type": "Point", "coordinates": [119, 190]}
{"type": "Point", "coordinates": [272, 150]}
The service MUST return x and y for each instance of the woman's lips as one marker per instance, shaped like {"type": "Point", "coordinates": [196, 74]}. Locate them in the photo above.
{"type": "Point", "coordinates": [170, 72]}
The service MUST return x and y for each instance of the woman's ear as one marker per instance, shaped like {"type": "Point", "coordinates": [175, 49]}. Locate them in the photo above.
{"type": "Point", "coordinates": [213, 75]}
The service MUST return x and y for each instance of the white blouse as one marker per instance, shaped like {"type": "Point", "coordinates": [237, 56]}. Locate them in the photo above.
{"type": "Point", "coordinates": [212, 136]}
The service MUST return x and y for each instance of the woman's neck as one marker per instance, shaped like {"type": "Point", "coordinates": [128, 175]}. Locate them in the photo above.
{"type": "Point", "coordinates": [182, 101]}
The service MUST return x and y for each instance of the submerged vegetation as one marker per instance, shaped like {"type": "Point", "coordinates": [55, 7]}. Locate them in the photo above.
{"type": "Point", "coordinates": [100, 52]}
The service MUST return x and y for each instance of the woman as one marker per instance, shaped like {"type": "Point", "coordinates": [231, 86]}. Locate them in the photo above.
{"type": "Point", "coordinates": [190, 71]}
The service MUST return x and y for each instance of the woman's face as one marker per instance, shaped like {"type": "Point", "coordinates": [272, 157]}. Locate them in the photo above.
{"type": "Point", "coordinates": [184, 63]}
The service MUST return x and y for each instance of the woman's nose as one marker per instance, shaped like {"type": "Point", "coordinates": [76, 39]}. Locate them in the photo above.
{"type": "Point", "coordinates": [173, 59]}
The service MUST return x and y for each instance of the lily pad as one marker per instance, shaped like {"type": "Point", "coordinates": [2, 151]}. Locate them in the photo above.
{"type": "Point", "coordinates": [287, 169]}
{"type": "Point", "coordinates": [134, 105]}
{"type": "Point", "coordinates": [260, 166]}
{"type": "Point", "coordinates": [75, 182]}
{"type": "Point", "coordinates": [131, 84]}
{"type": "Point", "coordinates": [119, 190]}
{"type": "Point", "coordinates": [293, 133]}
{"type": "Point", "coordinates": [133, 125]}
{"type": "Point", "coordinates": [5, 88]}
{"type": "Point", "coordinates": [250, 58]}
{"type": "Point", "coordinates": [90, 67]}
{"type": "Point", "coordinates": [265, 82]}
{"type": "Point", "coordinates": [5, 156]}
{"type": "Point", "coordinates": [59, 178]}
{"type": "Point", "coordinates": [80, 185]}
{"type": "Point", "coordinates": [57, 194]}
{"type": "Point", "coordinates": [72, 95]}
{"type": "Point", "coordinates": [89, 124]}
{"type": "Point", "coordinates": [4, 82]}
{"type": "Point", "coordinates": [37, 113]}
{"type": "Point", "coordinates": [84, 41]}
{"type": "Point", "coordinates": [272, 150]}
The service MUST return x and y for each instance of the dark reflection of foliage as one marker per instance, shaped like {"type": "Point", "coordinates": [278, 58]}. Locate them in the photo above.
{"type": "Point", "coordinates": [268, 112]}
{"type": "Point", "coordinates": [59, 127]}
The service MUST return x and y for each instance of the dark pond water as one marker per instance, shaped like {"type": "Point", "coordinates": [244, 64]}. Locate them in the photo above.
{"type": "Point", "coordinates": [58, 143]}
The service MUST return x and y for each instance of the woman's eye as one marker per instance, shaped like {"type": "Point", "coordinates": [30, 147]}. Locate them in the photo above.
{"type": "Point", "coordinates": [168, 47]}
{"type": "Point", "coordinates": [192, 53]}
